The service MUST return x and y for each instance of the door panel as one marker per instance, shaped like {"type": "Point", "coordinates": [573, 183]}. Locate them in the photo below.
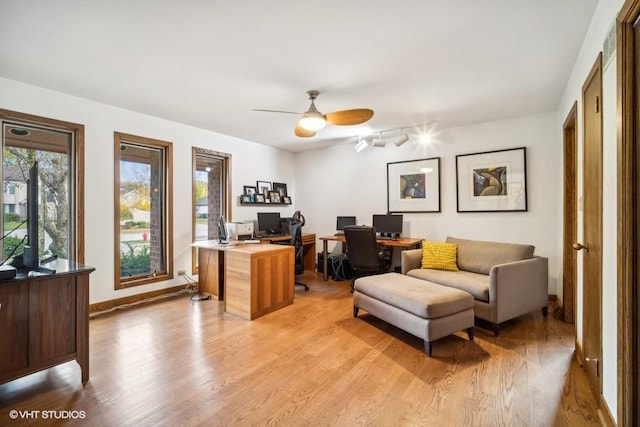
{"type": "Point", "coordinates": [592, 227]}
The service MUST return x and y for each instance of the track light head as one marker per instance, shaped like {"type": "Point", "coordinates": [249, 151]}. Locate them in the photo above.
{"type": "Point", "coordinates": [401, 139]}
{"type": "Point", "coordinates": [361, 145]}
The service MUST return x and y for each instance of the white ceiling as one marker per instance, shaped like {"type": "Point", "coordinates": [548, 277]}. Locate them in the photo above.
{"type": "Point", "coordinates": [209, 63]}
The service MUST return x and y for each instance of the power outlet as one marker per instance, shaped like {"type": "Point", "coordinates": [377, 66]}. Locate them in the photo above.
{"type": "Point", "coordinates": [182, 272]}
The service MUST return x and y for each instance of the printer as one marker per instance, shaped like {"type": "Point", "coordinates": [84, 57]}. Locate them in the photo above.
{"type": "Point", "coordinates": [242, 230]}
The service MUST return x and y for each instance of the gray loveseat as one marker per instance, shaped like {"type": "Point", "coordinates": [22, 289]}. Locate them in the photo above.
{"type": "Point", "coordinates": [505, 279]}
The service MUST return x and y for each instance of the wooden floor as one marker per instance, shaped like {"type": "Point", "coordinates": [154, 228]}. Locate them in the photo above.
{"type": "Point", "coordinates": [176, 362]}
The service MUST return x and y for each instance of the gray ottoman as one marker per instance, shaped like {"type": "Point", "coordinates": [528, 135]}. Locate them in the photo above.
{"type": "Point", "coordinates": [424, 309]}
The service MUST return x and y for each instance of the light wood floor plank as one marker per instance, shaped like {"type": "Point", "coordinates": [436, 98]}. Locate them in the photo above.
{"type": "Point", "coordinates": [175, 362]}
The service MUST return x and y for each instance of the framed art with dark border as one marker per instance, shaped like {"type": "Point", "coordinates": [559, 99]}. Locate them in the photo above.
{"type": "Point", "coordinates": [263, 187]}
{"type": "Point", "coordinates": [280, 188]}
{"type": "Point", "coordinates": [413, 186]}
{"type": "Point", "coordinates": [492, 181]}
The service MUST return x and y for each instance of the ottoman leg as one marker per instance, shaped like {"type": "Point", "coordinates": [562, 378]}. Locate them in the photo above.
{"type": "Point", "coordinates": [355, 311]}
{"type": "Point", "coordinates": [470, 333]}
{"type": "Point", "coordinates": [427, 348]}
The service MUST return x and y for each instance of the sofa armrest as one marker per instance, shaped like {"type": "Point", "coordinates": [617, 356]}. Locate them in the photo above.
{"type": "Point", "coordinates": [410, 259]}
{"type": "Point", "coordinates": [517, 288]}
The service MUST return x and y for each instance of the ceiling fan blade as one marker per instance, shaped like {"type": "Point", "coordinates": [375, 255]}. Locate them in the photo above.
{"type": "Point", "coordinates": [349, 117]}
{"type": "Point", "coordinates": [276, 111]}
{"type": "Point", "coordinates": [303, 133]}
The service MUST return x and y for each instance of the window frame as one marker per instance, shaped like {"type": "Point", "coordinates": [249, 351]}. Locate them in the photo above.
{"type": "Point", "coordinates": [167, 217]}
{"type": "Point", "coordinates": [76, 172]}
{"type": "Point", "coordinates": [226, 190]}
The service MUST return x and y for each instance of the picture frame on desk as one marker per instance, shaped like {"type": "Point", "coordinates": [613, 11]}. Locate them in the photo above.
{"type": "Point", "coordinates": [413, 186]}
{"type": "Point", "coordinates": [492, 181]}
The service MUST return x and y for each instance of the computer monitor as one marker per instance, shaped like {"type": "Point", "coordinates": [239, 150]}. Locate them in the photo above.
{"type": "Point", "coordinates": [343, 221]}
{"type": "Point", "coordinates": [388, 225]}
{"type": "Point", "coordinates": [269, 222]}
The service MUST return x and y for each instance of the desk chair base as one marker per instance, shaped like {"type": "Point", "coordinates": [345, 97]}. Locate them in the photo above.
{"type": "Point", "coordinates": [306, 288]}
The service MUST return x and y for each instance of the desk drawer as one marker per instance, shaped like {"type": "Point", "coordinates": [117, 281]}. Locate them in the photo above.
{"type": "Point", "coordinates": [307, 240]}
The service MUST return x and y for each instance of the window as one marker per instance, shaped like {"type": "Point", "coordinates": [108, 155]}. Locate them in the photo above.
{"type": "Point", "coordinates": [210, 195]}
{"type": "Point", "coordinates": [143, 252]}
{"type": "Point", "coordinates": [58, 149]}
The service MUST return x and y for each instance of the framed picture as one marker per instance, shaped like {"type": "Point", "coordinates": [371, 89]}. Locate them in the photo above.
{"type": "Point", "coordinates": [259, 198]}
{"type": "Point", "coordinates": [245, 199]}
{"type": "Point", "coordinates": [249, 190]}
{"type": "Point", "coordinates": [413, 186]}
{"type": "Point", "coordinates": [274, 197]}
{"type": "Point", "coordinates": [493, 181]}
{"type": "Point", "coordinates": [263, 187]}
{"type": "Point", "coordinates": [286, 200]}
{"type": "Point", "coordinates": [280, 188]}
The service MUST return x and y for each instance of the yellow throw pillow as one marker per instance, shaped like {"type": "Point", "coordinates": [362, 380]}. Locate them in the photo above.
{"type": "Point", "coordinates": [439, 255]}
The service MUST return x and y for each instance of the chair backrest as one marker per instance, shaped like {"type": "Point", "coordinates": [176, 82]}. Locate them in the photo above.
{"type": "Point", "coordinates": [296, 242]}
{"type": "Point", "coordinates": [362, 248]}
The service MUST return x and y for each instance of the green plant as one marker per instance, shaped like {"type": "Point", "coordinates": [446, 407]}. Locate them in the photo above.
{"type": "Point", "coordinates": [135, 261]}
{"type": "Point", "coordinates": [11, 243]}
{"type": "Point", "coordinates": [11, 217]}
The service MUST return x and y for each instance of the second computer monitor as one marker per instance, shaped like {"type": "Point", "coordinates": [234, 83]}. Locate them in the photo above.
{"type": "Point", "coordinates": [269, 222]}
{"type": "Point", "coordinates": [343, 221]}
{"type": "Point", "coordinates": [388, 225]}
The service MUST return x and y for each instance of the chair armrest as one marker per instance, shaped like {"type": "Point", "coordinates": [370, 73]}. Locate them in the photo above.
{"type": "Point", "coordinates": [410, 259]}
{"type": "Point", "coordinates": [517, 288]}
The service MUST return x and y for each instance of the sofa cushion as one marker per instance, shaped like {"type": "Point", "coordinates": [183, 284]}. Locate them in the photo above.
{"type": "Point", "coordinates": [478, 256]}
{"type": "Point", "coordinates": [419, 297]}
{"type": "Point", "coordinates": [439, 255]}
{"type": "Point", "coordinates": [473, 283]}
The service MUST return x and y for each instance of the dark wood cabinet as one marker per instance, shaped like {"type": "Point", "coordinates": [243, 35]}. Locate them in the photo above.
{"type": "Point", "coordinates": [44, 321]}
{"type": "Point", "coordinates": [14, 318]}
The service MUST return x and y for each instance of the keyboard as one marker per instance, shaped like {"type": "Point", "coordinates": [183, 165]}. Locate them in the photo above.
{"type": "Point", "coordinates": [386, 238]}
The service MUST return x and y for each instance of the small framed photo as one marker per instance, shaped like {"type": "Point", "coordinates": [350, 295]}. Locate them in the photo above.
{"type": "Point", "coordinates": [259, 198]}
{"type": "Point", "coordinates": [492, 181]}
{"type": "Point", "coordinates": [286, 200]}
{"type": "Point", "coordinates": [249, 190]}
{"type": "Point", "coordinates": [274, 197]}
{"type": "Point", "coordinates": [245, 199]}
{"type": "Point", "coordinates": [280, 188]}
{"type": "Point", "coordinates": [263, 187]}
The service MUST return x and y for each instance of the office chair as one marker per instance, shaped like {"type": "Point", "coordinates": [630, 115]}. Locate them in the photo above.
{"type": "Point", "coordinates": [364, 254]}
{"type": "Point", "coordinates": [296, 241]}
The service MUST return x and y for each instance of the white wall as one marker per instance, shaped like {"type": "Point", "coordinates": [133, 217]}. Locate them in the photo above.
{"type": "Point", "coordinates": [604, 17]}
{"type": "Point", "coordinates": [338, 181]}
{"type": "Point", "coordinates": [250, 162]}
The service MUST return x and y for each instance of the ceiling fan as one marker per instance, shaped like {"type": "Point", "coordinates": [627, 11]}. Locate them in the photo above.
{"type": "Point", "coordinates": [313, 120]}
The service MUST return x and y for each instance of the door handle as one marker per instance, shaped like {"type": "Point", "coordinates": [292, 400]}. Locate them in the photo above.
{"type": "Point", "coordinates": [578, 246]}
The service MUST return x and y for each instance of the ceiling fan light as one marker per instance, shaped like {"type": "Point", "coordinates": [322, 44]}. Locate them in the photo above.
{"type": "Point", "coordinates": [401, 139]}
{"type": "Point", "coordinates": [361, 145]}
{"type": "Point", "coordinates": [312, 121]}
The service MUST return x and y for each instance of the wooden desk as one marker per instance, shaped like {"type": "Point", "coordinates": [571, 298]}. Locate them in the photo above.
{"type": "Point", "coordinates": [259, 279]}
{"type": "Point", "coordinates": [308, 247]}
{"type": "Point", "coordinates": [252, 279]}
{"type": "Point", "coordinates": [45, 320]}
{"type": "Point", "coordinates": [400, 242]}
